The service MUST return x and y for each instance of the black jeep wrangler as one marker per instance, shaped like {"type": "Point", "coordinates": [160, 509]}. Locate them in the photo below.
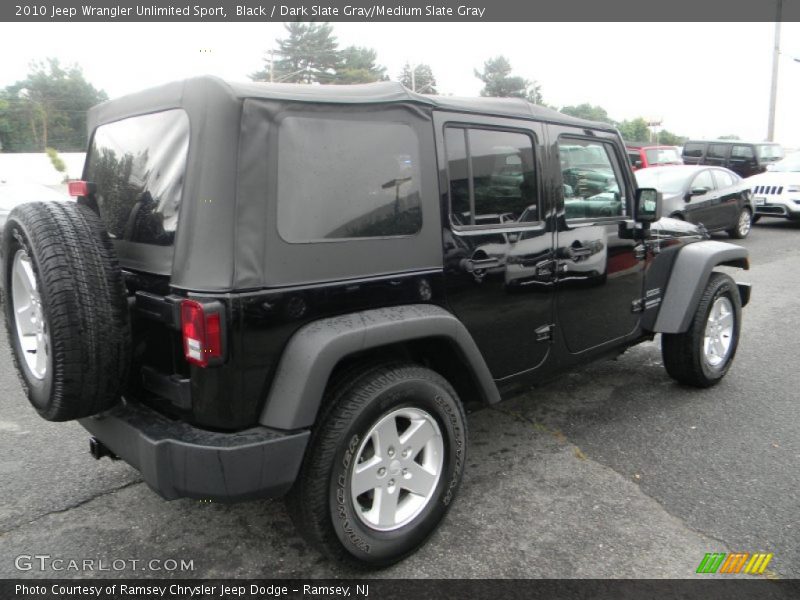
{"type": "Point", "coordinates": [268, 289]}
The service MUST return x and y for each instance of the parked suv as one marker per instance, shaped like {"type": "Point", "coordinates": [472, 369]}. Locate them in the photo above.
{"type": "Point", "coordinates": [268, 290]}
{"type": "Point", "coordinates": [743, 158]}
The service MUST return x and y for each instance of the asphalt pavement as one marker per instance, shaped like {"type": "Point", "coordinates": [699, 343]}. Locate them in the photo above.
{"type": "Point", "coordinates": [610, 471]}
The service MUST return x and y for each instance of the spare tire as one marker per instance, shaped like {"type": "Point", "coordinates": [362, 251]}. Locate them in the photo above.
{"type": "Point", "coordinates": [66, 309]}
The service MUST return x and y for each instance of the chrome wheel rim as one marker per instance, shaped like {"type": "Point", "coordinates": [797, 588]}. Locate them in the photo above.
{"type": "Point", "coordinates": [397, 469]}
{"type": "Point", "coordinates": [31, 326]}
{"type": "Point", "coordinates": [744, 223]}
{"type": "Point", "coordinates": [719, 332]}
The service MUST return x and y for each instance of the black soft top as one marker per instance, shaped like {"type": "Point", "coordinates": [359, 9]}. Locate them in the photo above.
{"type": "Point", "coordinates": [385, 92]}
{"type": "Point", "coordinates": [227, 237]}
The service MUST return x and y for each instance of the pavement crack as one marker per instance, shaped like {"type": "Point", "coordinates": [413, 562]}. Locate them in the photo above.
{"type": "Point", "coordinates": [70, 507]}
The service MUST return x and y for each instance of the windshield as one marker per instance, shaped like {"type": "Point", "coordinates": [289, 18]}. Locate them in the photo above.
{"type": "Point", "coordinates": [789, 164]}
{"type": "Point", "coordinates": [666, 181]}
{"type": "Point", "coordinates": [769, 152]}
{"type": "Point", "coordinates": [663, 156]}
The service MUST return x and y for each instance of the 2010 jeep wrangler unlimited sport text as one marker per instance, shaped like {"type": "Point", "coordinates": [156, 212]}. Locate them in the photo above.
{"type": "Point", "coordinates": [269, 290]}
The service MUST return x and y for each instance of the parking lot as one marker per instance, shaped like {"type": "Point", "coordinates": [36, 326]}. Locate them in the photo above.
{"type": "Point", "coordinates": [611, 471]}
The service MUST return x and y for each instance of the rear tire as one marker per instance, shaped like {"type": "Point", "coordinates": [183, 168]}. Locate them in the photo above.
{"type": "Point", "coordinates": [62, 286]}
{"type": "Point", "coordinates": [702, 355]}
{"type": "Point", "coordinates": [744, 223]}
{"type": "Point", "coordinates": [362, 455]}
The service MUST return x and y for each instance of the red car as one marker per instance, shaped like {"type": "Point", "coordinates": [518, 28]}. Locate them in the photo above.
{"type": "Point", "coordinates": [642, 157]}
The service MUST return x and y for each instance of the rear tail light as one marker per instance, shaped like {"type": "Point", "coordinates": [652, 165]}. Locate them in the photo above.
{"type": "Point", "coordinates": [80, 188]}
{"type": "Point", "coordinates": [202, 326]}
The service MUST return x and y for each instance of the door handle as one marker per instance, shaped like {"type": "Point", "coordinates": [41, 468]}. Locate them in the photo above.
{"type": "Point", "coordinates": [470, 265]}
{"type": "Point", "coordinates": [580, 252]}
{"type": "Point", "coordinates": [575, 252]}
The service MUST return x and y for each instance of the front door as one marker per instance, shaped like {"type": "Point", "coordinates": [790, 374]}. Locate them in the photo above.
{"type": "Point", "coordinates": [600, 275]}
{"type": "Point", "coordinates": [497, 243]}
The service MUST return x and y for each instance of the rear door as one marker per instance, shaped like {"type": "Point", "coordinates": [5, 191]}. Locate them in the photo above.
{"type": "Point", "coordinates": [743, 160]}
{"type": "Point", "coordinates": [717, 155]}
{"type": "Point", "coordinates": [704, 207]}
{"type": "Point", "coordinates": [729, 195]}
{"type": "Point", "coordinates": [497, 241]}
{"type": "Point", "coordinates": [600, 276]}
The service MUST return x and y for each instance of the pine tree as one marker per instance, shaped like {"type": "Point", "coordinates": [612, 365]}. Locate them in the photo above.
{"type": "Point", "coordinates": [498, 82]}
{"type": "Point", "coordinates": [308, 54]}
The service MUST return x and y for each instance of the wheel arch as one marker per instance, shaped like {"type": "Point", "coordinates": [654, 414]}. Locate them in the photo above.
{"type": "Point", "coordinates": [424, 332]}
{"type": "Point", "coordinates": [688, 278]}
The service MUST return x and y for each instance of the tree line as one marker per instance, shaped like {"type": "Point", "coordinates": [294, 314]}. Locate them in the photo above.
{"type": "Point", "coordinates": [48, 107]}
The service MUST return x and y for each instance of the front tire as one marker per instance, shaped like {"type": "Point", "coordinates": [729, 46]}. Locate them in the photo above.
{"type": "Point", "coordinates": [744, 224]}
{"type": "Point", "coordinates": [702, 355]}
{"type": "Point", "coordinates": [383, 465]}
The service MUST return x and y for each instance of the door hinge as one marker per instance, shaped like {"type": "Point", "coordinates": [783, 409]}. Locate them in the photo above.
{"type": "Point", "coordinates": [545, 333]}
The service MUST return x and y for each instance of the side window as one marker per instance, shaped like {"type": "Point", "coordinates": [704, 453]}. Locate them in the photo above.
{"type": "Point", "coordinates": [703, 181]}
{"type": "Point", "coordinates": [591, 182]}
{"type": "Point", "coordinates": [723, 179]}
{"type": "Point", "coordinates": [693, 150]}
{"type": "Point", "coordinates": [717, 151]}
{"type": "Point", "coordinates": [634, 157]}
{"type": "Point", "coordinates": [345, 179]}
{"type": "Point", "coordinates": [492, 177]}
{"type": "Point", "coordinates": [743, 152]}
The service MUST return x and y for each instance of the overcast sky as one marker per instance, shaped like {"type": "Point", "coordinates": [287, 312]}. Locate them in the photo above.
{"type": "Point", "coordinates": [702, 79]}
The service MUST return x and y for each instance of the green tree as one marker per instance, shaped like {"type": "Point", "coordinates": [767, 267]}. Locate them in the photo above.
{"type": "Point", "coordinates": [358, 65]}
{"type": "Point", "coordinates": [423, 80]}
{"type": "Point", "coordinates": [635, 130]}
{"type": "Point", "coordinates": [588, 111]}
{"type": "Point", "coordinates": [670, 139]}
{"type": "Point", "coordinates": [48, 108]}
{"type": "Point", "coordinates": [499, 82]}
{"type": "Point", "coordinates": [308, 54]}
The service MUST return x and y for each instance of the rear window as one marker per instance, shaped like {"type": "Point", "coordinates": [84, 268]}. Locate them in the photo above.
{"type": "Point", "coordinates": [663, 156]}
{"type": "Point", "coordinates": [693, 150]}
{"type": "Point", "coordinates": [768, 152]}
{"type": "Point", "coordinates": [138, 165]}
{"type": "Point", "coordinates": [347, 179]}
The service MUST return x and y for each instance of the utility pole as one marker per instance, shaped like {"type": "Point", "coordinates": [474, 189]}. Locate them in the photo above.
{"type": "Point", "coordinates": [773, 94]}
{"type": "Point", "coordinates": [413, 78]}
{"type": "Point", "coordinates": [271, 65]}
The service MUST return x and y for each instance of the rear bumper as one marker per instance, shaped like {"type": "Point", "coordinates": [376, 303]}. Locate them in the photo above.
{"type": "Point", "coordinates": [181, 461]}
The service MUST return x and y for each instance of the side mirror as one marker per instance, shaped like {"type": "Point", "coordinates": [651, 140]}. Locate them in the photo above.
{"type": "Point", "coordinates": [637, 164]}
{"type": "Point", "coordinates": [648, 205]}
{"type": "Point", "coordinates": [698, 191]}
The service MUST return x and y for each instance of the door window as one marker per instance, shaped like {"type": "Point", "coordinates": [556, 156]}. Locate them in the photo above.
{"type": "Point", "coordinates": [492, 177]}
{"type": "Point", "coordinates": [703, 181]}
{"type": "Point", "coordinates": [724, 179]}
{"type": "Point", "coordinates": [591, 182]}
{"type": "Point", "coordinates": [717, 151]}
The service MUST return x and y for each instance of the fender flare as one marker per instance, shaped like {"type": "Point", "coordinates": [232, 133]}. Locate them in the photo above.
{"type": "Point", "coordinates": [687, 280]}
{"type": "Point", "coordinates": [314, 350]}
